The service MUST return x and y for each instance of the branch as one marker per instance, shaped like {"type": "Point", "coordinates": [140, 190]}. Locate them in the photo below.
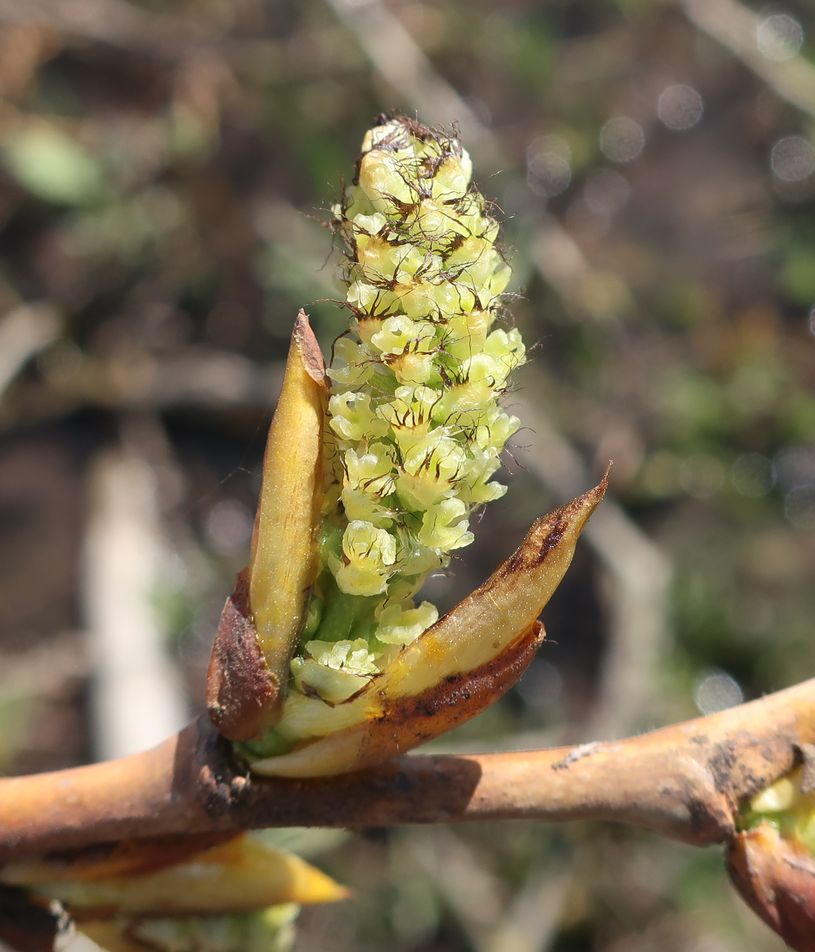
{"type": "Point", "coordinates": [685, 781]}
{"type": "Point", "coordinates": [734, 26]}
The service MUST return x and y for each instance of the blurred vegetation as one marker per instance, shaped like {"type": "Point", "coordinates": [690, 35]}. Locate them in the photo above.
{"type": "Point", "coordinates": [165, 169]}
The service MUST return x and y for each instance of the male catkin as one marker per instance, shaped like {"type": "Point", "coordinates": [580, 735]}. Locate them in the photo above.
{"type": "Point", "coordinates": [416, 430]}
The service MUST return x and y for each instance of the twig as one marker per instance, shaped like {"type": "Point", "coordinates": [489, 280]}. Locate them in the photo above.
{"type": "Point", "coordinates": [685, 781]}
{"type": "Point", "coordinates": [639, 575]}
{"type": "Point", "coordinates": [127, 26]}
{"type": "Point", "coordinates": [137, 693]}
{"type": "Point", "coordinates": [467, 886]}
{"type": "Point", "coordinates": [107, 21]}
{"type": "Point", "coordinates": [532, 919]}
{"type": "Point", "coordinates": [416, 83]}
{"type": "Point", "coordinates": [734, 26]}
{"type": "Point", "coordinates": [42, 671]}
{"type": "Point", "coordinates": [404, 66]}
{"type": "Point", "coordinates": [24, 332]}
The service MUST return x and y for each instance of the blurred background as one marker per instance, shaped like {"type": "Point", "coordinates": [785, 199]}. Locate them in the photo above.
{"type": "Point", "coordinates": [166, 170]}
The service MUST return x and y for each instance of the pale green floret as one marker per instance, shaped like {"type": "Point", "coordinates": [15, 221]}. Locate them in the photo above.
{"type": "Point", "coordinates": [400, 626]}
{"type": "Point", "coordinates": [399, 334]}
{"type": "Point", "coordinates": [354, 367]}
{"type": "Point", "coordinates": [409, 415]}
{"type": "Point", "coordinates": [335, 670]}
{"type": "Point", "coordinates": [352, 417]}
{"type": "Point", "coordinates": [416, 431]}
{"type": "Point", "coordinates": [368, 556]}
{"type": "Point", "coordinates": [372, 468]}
{"type": "Point", "coordinates": [493, 429]}
{"type": "Point", "coordinates": [475, 487]}
{"type": "Point", "coordinates": [369, 479]}
{"type": "Point", "coordinates": [445, 526]}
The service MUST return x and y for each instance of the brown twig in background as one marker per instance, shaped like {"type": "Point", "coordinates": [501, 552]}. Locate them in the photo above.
{"type": "Point", "coordinates": [418, 86]}
{"type": "Point", "coordinates": [125, 553]}
{"type": "Point", "coordinates": [24, 332]}
{"type": "Point", "coordinates": [639, 578]}
{"type": "Point", "coordinates": [128, 27]}
{"type": "Point", "coordinates": [685, 781]}
{"type": "Point", "coordinates": [734, 26]}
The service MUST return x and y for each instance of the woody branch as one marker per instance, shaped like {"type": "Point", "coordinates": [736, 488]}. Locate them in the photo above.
{"type": "Point", "coordinates": [684, 781]}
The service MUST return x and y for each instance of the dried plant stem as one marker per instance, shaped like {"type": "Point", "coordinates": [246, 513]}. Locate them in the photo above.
{"type": "Point", "coordinates": [734, 25]}
{"type": "Point", "coordinates": [683, 781]}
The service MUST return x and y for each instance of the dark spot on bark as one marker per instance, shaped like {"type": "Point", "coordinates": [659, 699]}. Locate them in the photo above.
{"type": "Point", "coordinates": [721, 765]}
{"type": "Point", "coordinates": [403, 783]}
{"type": "Point", "coordinates": [807, 752]}
{"type": "Point", "coordinates": [215, 791]}
{"type": "Point", "coordinates": [239, 786]}
{"type": "Point", "coordinates": [707, 819]}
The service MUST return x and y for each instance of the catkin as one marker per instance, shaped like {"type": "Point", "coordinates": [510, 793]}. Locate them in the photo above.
{"type": "Point", "coordinates": [416, 429]}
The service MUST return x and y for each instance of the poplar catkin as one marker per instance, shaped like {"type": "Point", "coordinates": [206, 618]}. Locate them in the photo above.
{"type": "Point", "coordinates": [416, 429]}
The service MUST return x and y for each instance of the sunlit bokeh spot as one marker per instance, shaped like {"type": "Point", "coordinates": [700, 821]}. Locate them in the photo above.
{"type": "Point", "coordinates": [779, 37]}
{"type": "Point", "coordinates": [606, 192]}
{"type": "Point", "coordinates": [549, 166]}
{"type": "Point", "coordinates": [792, 159]}
{"type": "Point", "coordinates": [795, 466]}
{"type": "Point", "coordinates": [680, 107]}
{"type": "Point", "coordinates": [752, 475]}
{"type": "Point", "coordinates": [229, 526]}
{"type": "Point", "coordinates": [621, 139]}
{"type": "Point", "coordinates": [660, 474]}
{"type": "Point", "coordinates": [799, 506]}
{"type": "Point", "coordinates": [701, 476]}
{"type": "Point", "coordinates": [716, 690]}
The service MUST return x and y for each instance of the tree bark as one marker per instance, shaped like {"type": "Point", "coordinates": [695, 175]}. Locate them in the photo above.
{"type": "Point", "coordinates": [685, 781]}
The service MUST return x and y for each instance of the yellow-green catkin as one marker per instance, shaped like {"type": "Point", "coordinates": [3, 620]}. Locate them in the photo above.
{"type": "Point", "coordinates": [787, 806]}
{"type": "Point", "coordinates": [416, 429]}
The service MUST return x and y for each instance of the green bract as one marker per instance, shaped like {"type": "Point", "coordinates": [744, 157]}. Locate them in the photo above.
{"type": "Point", "coordinates": [415, 427]}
